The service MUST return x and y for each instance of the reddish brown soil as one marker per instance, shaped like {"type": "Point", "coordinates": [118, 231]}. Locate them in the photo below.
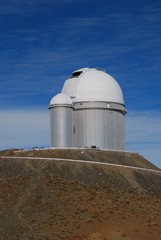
{"type": "Point", "coordinates": [49, 200]}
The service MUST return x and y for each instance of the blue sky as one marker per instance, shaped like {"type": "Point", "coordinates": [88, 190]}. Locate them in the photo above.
{"type": "Point", "coordinates": [43, 41]}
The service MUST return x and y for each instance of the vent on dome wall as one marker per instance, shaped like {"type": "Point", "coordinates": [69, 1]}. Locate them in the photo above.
{"type": "Point", "coordinates": [76, 74]}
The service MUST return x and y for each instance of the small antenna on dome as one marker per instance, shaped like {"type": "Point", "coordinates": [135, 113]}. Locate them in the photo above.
{"type": "Point", "coordinates": [100, 69]}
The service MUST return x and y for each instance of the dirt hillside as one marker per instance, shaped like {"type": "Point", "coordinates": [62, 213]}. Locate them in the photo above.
{"type": "Point", "coordinates": [59, 200]}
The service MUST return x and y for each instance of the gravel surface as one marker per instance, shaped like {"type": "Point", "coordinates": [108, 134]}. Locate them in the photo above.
{"type": "Point", "coordinates": [49, 200]}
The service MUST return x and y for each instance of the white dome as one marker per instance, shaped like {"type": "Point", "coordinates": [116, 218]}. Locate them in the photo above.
{"type": "Point", "coordinates": [61, 99]}
{"type": "Point", "coordinates": [92, 85]}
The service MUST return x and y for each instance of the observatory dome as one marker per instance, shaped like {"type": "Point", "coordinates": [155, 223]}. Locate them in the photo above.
{"type": "Point", "coordinates": [91, 84]}
{"type": "Point", "coordinates": [61, 99]}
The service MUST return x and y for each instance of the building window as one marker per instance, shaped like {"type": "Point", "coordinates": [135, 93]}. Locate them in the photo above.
{"type": "Point", "coordinates": [76, 74]}
{"type": "Point", "coordinates": [74, 130]}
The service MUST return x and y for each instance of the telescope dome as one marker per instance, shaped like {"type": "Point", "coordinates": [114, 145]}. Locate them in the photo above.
{"type": "Point", "coordinates": [61, 99]}
{"type": "Point", "coordinates": [91, 84]}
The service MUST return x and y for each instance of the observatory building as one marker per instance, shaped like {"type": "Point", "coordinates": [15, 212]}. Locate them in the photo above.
{"type": "Point", "coordinates": [89, 112]}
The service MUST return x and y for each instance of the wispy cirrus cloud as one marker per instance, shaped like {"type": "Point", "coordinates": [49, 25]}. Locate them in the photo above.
{"type": "Point", "coordinates": [12, 7]}
{"type": "Point", "coordinates": [28, 128]}
{"type": "Point", "coordinates": [143, 134]}
{"type": "Point", "coordinates": [24, 128]}
{"type": "Point", "coordinates": [144, 126]}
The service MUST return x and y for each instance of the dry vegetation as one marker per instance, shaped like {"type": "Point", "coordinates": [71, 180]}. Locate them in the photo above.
{"type": "Point", "coordinates": [51, 200]}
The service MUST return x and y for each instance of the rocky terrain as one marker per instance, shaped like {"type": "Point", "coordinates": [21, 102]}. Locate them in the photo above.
{"type": "Point", "coordinates": [57, 200]}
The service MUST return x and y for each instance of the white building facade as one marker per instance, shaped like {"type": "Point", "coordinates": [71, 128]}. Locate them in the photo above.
{"type": "Point", "coordinates": [89, 112]}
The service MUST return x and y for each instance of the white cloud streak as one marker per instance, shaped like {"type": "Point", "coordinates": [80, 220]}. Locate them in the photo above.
{"type": "Point", "coordinates": [28, 128]}
{"type": "Point", "coordinates": [24, 128]}
{"type": "Point", "coordinates": [144, 126]}
{"type": "Point", "coordinates": [25, 7]}
{"type": "Point", "coordinates": [143, 134]}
